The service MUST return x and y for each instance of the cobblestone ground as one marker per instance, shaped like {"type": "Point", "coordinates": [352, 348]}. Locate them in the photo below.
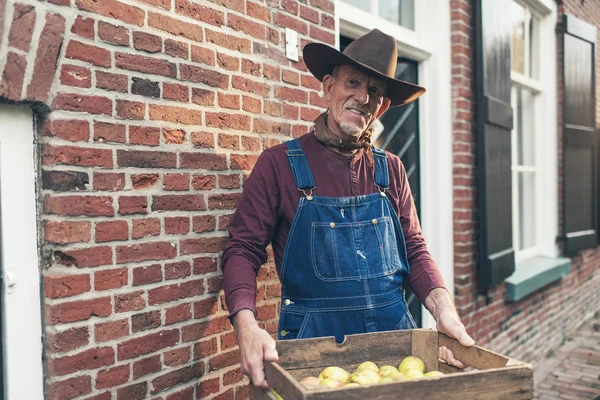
{"type": "Point", "coordinates": [574, 371]}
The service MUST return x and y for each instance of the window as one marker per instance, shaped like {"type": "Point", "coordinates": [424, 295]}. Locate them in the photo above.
{"type": "Point", "coordinates": [401, 12]}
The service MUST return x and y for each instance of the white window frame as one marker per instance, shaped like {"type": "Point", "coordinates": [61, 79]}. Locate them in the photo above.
{"type": "Point", "coordinates": [545, 134]}
{"type": "Point", "coordinates": [22, 314]}
{"type": "Point", "coordinates": [431, 48]}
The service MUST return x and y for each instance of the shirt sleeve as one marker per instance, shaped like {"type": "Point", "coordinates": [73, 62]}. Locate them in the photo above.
{"type": "Point", "coordinates": [424, 273]}
{"type": "Point", "coordinates": [250, 231]}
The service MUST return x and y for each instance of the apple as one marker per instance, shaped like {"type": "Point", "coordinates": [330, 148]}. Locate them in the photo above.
{"type": "Point", "coordinates": [360, 378]}
{"type": "Point", "coordinates": [331, 383]}
{"type": "Point", "coordinates": [396, 375]}
{"type": "Point", "coordinates": [311, 382]}
{"type": "Point", "coordinates": [336, 373]}
{"type": "Point", "coordinates": [412, 362]}
{"type": "Point", "coordinates": [385, 370]}
{"type": "Point", "coordinates": [413, 374]}
{"type": "Point", "coordinates": [352, 384]}
{"type": "Point", "coordinates": [434, 373]}
{"type": "Point", "coordinates": [385, 379]}
{"type": "Point", "coordinates": [367, 365]}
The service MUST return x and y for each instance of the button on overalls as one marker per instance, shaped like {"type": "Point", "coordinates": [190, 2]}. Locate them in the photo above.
{"type": "Point", "coordinates": [344, 261]}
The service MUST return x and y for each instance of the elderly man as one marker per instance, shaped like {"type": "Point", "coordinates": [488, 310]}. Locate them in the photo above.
{"type": "Point", "coordinates": [340, 216]}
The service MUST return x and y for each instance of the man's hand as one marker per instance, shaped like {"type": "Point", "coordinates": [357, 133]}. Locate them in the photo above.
{"type": "Point", "coordinates": [256, 345]}
{"type": "Point", "coordinates": [439, 303]}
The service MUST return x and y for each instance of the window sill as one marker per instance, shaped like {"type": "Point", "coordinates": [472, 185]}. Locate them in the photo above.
{"type": "Point", "coordinates": [533, 274]}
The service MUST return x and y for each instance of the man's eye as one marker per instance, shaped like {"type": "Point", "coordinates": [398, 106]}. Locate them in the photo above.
{"type": "Point", "coordinates": [352, 82]}
{"type": "Point", "coordinates": [375, 91]}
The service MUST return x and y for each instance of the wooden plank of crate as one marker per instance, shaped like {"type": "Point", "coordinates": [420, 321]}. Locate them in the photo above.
{"type": "Point", "coordinates": [317, 352]}
{"type": "Point", "coordinates": [424, 345]}
{"type": "Point", "coordinates": [260, 394]}
{"type": "Point", "coordinates": [515, 383]}
{"type": "Point", "coordinates": [448, 369]}
{"type": "Point", "coordinates": [474, 356]}
{"type": "Point", "coordinates": [282, 382]}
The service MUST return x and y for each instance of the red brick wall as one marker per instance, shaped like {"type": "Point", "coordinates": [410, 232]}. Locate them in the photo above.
{"type": "Point", "coordinates": [155, 111]}
{"type": "Point", "coordinates": [527, 329]}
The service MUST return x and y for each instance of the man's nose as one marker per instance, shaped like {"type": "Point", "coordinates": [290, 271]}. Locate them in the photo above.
{"type": "Point", "coordinates": [362, 96]}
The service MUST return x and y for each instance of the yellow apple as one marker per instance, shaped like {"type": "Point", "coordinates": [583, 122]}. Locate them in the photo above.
{"type": "Point", "coordinates": [385, 379]}
{"type": "Point", "coordinates": [413, 374]}
{"type": "Point", "coordinates": [411, 362]}
{"type": "Point", "coordinates": [396, 375]}
{"type": "Point", "coordinates": [336, 373]}
{"type": "Point", "coordinates": [385, 370]}
{"type": "Point", "coordinates": [311, 382]}
{"type": "Point", "coordinates": [367, 365]}
{"type": "Point", "coordinates": [434, 373]}
{"type": "Point", "coordinates": [331, 383]}
{"type": "Point", "coordinates": [352, 384]}
{"type": "Point", "coordinates": [360, 378]}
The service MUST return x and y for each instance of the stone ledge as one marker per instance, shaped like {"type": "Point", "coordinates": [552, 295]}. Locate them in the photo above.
{"type": "Point", "coordinates": [533, 274]}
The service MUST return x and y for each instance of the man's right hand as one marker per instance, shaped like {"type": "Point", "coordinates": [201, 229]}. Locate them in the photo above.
{"type": "Point", "coordinates": [256, 346]}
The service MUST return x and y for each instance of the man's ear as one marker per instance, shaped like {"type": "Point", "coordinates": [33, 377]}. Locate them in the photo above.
{"type": "Point", "coordinates": [384, 107]}
{"type": "Point", "coordinates": [328, 81]}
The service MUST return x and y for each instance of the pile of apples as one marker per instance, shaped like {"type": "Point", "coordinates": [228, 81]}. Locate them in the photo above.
{"type": "Point", "coordinates": [368, 373]}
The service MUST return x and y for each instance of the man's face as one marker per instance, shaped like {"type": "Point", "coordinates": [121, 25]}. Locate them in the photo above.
{"type": "Point", "coordinates": [355, 100]}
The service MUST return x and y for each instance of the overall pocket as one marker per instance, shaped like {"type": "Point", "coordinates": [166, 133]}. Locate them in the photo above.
{"type": "Point", "coordinates": [355, 250]}
{"type": "Point", "coordinates": [291, 325]}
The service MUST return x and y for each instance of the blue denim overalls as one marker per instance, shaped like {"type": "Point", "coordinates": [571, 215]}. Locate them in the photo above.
{"type": "Point", "coordinates": [344, 261]}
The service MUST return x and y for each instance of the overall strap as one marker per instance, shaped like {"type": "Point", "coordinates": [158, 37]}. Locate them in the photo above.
{"type": "Point", "coordinates": [299, 164]}
{"type": "Point", "coordinates": [382, 178]}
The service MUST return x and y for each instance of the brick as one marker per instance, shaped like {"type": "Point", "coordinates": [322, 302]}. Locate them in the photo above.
{"type": "Point", "coordinates": [231, 101]}
{"type": "Point", "coordinates": [272, 72]}
{"type": "Point", "coordinates": [102, 396]}
{"type": "Point", "coordinates": [89, 359]}
{"type": "Point", "coordinates": [290, 94]}
{"type": "Point", "coordinates": [249, 86]}
{"type": "Point", "coordinates": [113, 9]}
{"type": "Point", "coordinates": [83, 27]}
{"type": "Point", "coordinates": [46, 59]}
{"type": "Point", "coordinates": [204, 182]}
{"type": "Point", "coordinates": [229, 181]}
{"type": "Point", "coordinates": [147, 344]}
{"type": "Point", "coordinates": [206, 307]}
{"type": "Point", "coordinates": [145, 321]}
{"type": "Point", "coordinates": [225, 120]}
{"type": "Point", "coordinates": [113, 34]}
{"type": "Point", "coordinates": [145, 227]}
{"type": "Point", "coordinates": [106, 331]}
{"type": "Point", "coordinates": [202, 329]}
{"type": "Point", "coordinates": [228, 41]}
{"type": "Point", "coordinates": [177, 225]}
{"type": "Point", "coordinates": [232, 377]}
{"type": "Point", "coordinates": [110, 279]}
{"type": "Point", "coordinates": [143, 181]}
{"type": "Point", "coordinates": [205, 76]}
{"type": "Point", "coordinates": [200, 13]}
{"type": "Point", "coordinates": [176, 357]}
{"type": "Point", "coordinates": [205, 348]}
{"type": "Point", "coordinates": [108, 132]}
{"type": "Point", "coordinates": [224, 221]}
{"type": "Point", "coordinates": [144, 135]}
{"type": "Point", "coordinates": [327, 21]}
{"type": "Point", "coordinates": [110, 81]}
{"type": "Point", "coordinates": [207, 387]}
{"type": "Point", "coordinates": [146, 251]}
{"type": "Point", "coordinates": [147, 42]}
{"type": "Point", "coordinates": [87, 53]}
{"type": "Point", "coordinates": [13, 76]}
{"type": "Point", "coordinates": [309, 14]}
{"type": "Point", "coordinates": [286, 21]}
{"type": "Point", "coordinates": [176, 92]}
{"type": "Point", "coordinates": [166, 4]}
{"type": "Point", "coordinates": [185, 394]}
{"type": "Point", "coordinates": [179, 115]}
{"type": "Point", "coordinates": [81, 310]}
{"type": "Point", "coordinates": [175, 26]}
{"type": "Point", "coordinates": [177, 49]}
{"type": "Point", "coordinates": [250, 143]}
{"type": "Point", "coordinates": [203, 97]}
{"type": "Point", "coordinates": [146, 159]}
{"type": "Point", "coordinates": [133, 205]}
{"type": "Point", "coordinates": [325, 5]}
{"type": "Point", "coordinates": [254, 29]}
{"type": "Point", "coordinates": [176, 182]}
{"type": "Point", "coordinates": [251, 68]}
{"type": "Point", "coordinates": [145, 64]}
{"type": "Point", "coordinates": [72, 75]}
{"type": "Point", "coordinates": [94, 206]}
{"type": "Point", "coordinates": [290, 77]}
{"type": "Point", "coordinates": [204, 223]}
{"type": "Point", "coordinates": [203, 139]}
{"type": "Point", "coordinates": [251, 104]}
{"type": "Point", "coordinates": [60, 342]}
{"type": "Point", "coordinates": [129, 302]}
{"type": "Point", "coordinates": [145, 87]}
{"type": "Point", "coordinates": [146, 366]}
{"type": "Point", "coordinates": [322, 35]}
{"type": "Point", "coordinates": [108, 231]}
{"type": "Point", "coordinates": [109, 181]}
{"type": "Point", "coordinates": [112, 377]}
{"type": "Point", "coordinates": [178, 203]}
{"type": "Point", "coordinates": [147, 275]}
{"type": "Point", "coordinates": [70, 155]}
{"type": "Point", "coordinates": [163, 294]}
{"type": "Point", "coordinates": [243, 162]}
{"type": "Point", "coordinates": [202, 245]}
{"type": "Point", "coordinates": [311, 82]}
{"type": "Point", "coordinates": [179, 313]}
{"type": "Point", "coordinates": [177, 377]}
{"type": "Point", "coordinates": [56, 287]}
{"type": "Point", "coordinates": [67, 231]}
{"type": "Point", "coordinates": [229, 63]}
{"type": "Point", "coordinates": [133, 392]}
{"type": "Point", "coordinates": [255, 10]}
{"type": "Point", "coordinates": [203, 55]}
{"type": "Point", "coordinates": [224, 359]}
{"type": "Point", "coordinates": [70, 388]}
{"type": "Point", "coordinates": [130, 109]}
{"type": "Point", "coordinates": [203, 161]}
{"type": "Point", "coordinates": [81, 103]}
{"type": "Point", "coordinates": [84, 258]}
{"type": "Point", "coordinates": [177, 270]}
{"type": "Point", "coordinates": [173, 136]}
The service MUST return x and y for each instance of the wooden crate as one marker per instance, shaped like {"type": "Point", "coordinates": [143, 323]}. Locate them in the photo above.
{"type": "Point", "coordinates": [490, 376]}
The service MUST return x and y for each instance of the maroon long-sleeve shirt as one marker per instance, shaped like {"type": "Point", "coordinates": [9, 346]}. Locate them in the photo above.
{"type": "Point", "coordinates": [269, 202]}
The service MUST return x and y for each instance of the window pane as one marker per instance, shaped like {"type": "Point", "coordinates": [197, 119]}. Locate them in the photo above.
{"type": "Point", "coordinates": [534, 24]}
{"type": "Point", "coordinates": [400, 12]}
{"type": "Point", "coordinates": [525, 128]}
{"type": "Point", "coordinates": [518, 15]}
{"type": "Point", "coordinates": [364, 5]}
{"type": "Point", "coordinates": [526, 210]}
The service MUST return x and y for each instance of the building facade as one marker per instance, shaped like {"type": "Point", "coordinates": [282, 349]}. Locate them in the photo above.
{"type": "Point", "coordinates": [128, 128]}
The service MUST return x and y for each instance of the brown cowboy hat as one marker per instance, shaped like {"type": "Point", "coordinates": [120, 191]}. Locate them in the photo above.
{"type": "Point", "coordinates": [374, 52]}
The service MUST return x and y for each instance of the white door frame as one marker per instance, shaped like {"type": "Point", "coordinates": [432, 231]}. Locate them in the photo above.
{"type": "Point", "coordinates": [430, 45]}
{"type": "Point", "coordinates": [22, 324]}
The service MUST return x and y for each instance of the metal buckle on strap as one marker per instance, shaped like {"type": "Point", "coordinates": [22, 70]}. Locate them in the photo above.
{"type": "Point", "coordinates": [381, 190]}
{"type": "Point", "coordinates": [309, 195]}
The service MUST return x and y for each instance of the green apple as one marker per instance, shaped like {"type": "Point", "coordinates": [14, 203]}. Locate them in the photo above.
{"type": "Point", "coordinates": [385, 379]}
{"type": "Point", "coordinates": [331, 383]}
{"type": "Point", "coordinates": [385, 370]}
{"type": "Point", "coordinates": [396, 375]}
{"type": "Point", "coordinates": [360, 378]}
{"type": "Point", "coordinates": [411, 362]}
{"type": "Point", "coordinates": [367, 365]}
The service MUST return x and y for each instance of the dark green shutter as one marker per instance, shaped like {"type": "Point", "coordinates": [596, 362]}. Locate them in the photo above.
{"type": "Point", "coordinates": [580, 139]}
{"type": "Point", "coordinates": [494, 125]}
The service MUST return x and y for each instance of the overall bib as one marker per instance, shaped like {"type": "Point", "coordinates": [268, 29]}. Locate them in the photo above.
{"type": "Point", "coordinates": [344, 261]}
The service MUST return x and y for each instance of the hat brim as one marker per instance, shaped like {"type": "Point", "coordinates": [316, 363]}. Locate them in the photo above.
{"type": "Point", "coordinates": [321, 59]}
